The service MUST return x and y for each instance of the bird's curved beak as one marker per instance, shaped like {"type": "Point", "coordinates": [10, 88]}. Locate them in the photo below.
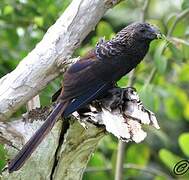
{"type": "Point", "coordinates": [156, 32]}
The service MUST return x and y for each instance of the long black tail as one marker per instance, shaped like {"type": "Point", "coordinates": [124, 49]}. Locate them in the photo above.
{"type": "Point", "coordinates": [36, 139]}
{"type": "Point", "coordinates": [61, 108]}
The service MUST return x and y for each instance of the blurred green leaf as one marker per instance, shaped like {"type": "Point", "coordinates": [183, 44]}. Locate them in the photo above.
{"type": "Point", "coordinates": [8, 10]}
{"type": "Point", "coordinates": [183, 73]}
{"type": "Point", "coordinates": [168, 158]}
{"type": "Point", "coordinates": [183, 142]}
{"type": "Point", "coordinates": [172, 110]}
{"type": "Point", "coordinates": [97, 161]}
{"type": "Point", "coordinates": [160, 59]}
{"type": "Point", "coordinates": [38, 21]}
{"type": "Point", "coordinates": [123, 81]}
{"type": "Point", "coordinates": [185, 4]}
{"type": "Point", "coordinates": [185, 52]}
{"type": "Point", "coordinates": [104, 29]}
{"type": "Point", "coordinates": [176, 53]}
{"type": "Point", "coordinates": [2, 157]}
{"type": "Point", "coordinates": [148, 97]}
{"type": "Point", "coordinates": [186, 111]}
{"type": "Point", "coordinates": [132, 155]}
{"type": "Point", "coordinates": [160, 178]}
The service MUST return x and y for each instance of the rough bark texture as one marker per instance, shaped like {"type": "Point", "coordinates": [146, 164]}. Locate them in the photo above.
{"type": "Point", "coordinates": [51, 54]}
{"type": "Point", "coordinates": [64, 154]}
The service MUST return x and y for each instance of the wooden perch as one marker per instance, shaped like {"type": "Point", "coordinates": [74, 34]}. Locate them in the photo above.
{"type": "Point", "coordinates": [64, 153]}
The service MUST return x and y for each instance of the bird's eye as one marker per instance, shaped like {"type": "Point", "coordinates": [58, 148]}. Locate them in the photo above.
{"type": "Point", "coordinates": [131, 91]}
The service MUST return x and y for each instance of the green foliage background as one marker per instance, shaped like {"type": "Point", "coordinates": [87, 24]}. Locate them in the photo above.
{"type": "Point", "coordinates": [162, 79]}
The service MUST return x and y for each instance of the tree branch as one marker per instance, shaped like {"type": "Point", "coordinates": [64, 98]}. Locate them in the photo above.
{"type": "Point", "coordinates": [51, 55]}
{"type": "Point", "coordinates": [62, 155]}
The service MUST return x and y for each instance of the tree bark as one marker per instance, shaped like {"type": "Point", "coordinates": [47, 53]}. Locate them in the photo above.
{"type": "Point", "coordinates": [63, 154]}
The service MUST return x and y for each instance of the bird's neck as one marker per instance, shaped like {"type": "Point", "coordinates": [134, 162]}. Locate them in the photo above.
{"type": "Point", "coordinates": [128, 49]}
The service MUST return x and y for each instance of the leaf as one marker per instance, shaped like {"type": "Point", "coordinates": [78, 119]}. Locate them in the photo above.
{"type": "Point", "coordinates": [180, 28]}
{"type": "Point", "coordinates": [183, 142]}
{"type": "Point", "coordinates": [134, 157]}
{"type": "Point", "coordinates": [123, 81]}
{"type": "Point", "coordinates": [8, 10]}
{"type": "Point", "coordinates": [172, 110]}
{"type": "Point", "coordinates": [183, 74]}
{"type": "Point", "coordinates": [186, 111]}
{"type": "Point", "coordinates": [160, 59]}
{"type": "Point", "coordinates": [39, 21]}
{"type": "Point", "coordinates": [175, 102]}
{"type": "Point", "coordinates": [185, 52]}
{"type": "Point", "coordinates": [97, 160]}
{"type": "Point", "coordinates": [160, 178]}
{"type": "Point", "coordinates": [177, 54]}
{"type": "Point", "coordinates": [2, 157]}
{"type": "Point", "coordinates": [104, 29]}
{"type": "Point", "coordinates": [185, 4]}
{"type": "Point", "coordinates": [168, 158]}
{"type": "Point", "coordinates": [149, 98]}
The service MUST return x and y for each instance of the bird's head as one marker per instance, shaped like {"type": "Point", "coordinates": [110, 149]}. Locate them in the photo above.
{"type": "Point", "coordinates": [142, 32]}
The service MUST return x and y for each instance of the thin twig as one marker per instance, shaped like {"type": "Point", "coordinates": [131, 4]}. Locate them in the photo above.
{"type": "Point", "coordinates": [144, 10]}
{"type": "Point", "coordinates": [149, 170]}
{"type": "Point", "coordinates": [179, 41]}
{"type": "Point", "coordinates": [151, 77]}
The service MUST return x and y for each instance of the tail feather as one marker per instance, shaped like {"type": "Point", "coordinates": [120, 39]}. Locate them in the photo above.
{"type": "Point", "coordinates": [61, 109]}
{"type": "Point", "coordinates": [36, 139]}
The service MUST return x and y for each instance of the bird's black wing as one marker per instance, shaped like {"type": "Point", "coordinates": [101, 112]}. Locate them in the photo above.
{"type": "Point", "coordinates": [81, 84]}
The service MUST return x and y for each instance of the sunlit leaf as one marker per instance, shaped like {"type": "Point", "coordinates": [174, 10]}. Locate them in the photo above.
{"type": "Point", "coordinates": [8, 10]}
{"type": "Point", "coordinates": [38, 21]}
{"type": "Point", "coordinates": [104, 29]}
{"type": "Point", "coordinates": [183, 142]}
{"type": "Point", "coordinates": [186, 111]}
{"type": "Point", "coordinates": [168, 158]}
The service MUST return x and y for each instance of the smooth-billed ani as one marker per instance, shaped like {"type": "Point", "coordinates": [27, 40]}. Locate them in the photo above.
{"type": "Point", "coordinates": [92, 76]}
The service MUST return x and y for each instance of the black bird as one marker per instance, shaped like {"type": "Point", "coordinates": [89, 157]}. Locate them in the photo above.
{"type": "Point", "coordinates": [92, 76]}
